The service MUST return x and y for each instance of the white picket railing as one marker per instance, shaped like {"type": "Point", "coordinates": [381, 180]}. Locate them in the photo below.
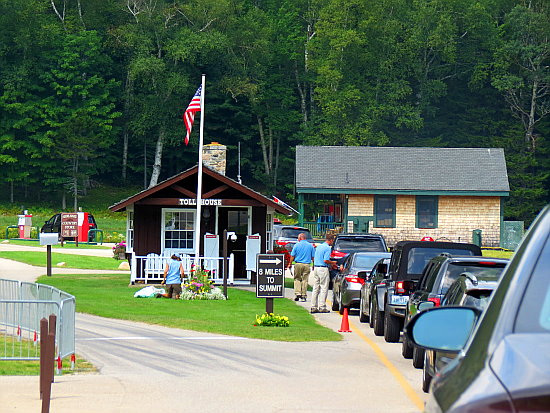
{"type": "Point", "coordinates": [149, 269]}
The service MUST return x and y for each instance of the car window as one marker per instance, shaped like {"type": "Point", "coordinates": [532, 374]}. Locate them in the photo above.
{"type": "Point", "coordinates": [455, 269]}
{"type": "Point", "coordinates": [419, 257]}
{"type": "Point", "coordinates": [534, 311]}
{"type": "Point", "coordinates": [450, 297]}
{"type": "Point", "coordinates": [476, 298]}
{"type": "Point", "coordinates": [369, 244]}
{"type": "Point", "coordinates": [294, 232]}
{"type": "Point", "coordinates": [432, 276]}
{"type": "Point", "coordinates": [364, 262]}
{"type": "Point", "coordinates": [347, 261]}
{"type": "Point", "coordinates": [427, 270]}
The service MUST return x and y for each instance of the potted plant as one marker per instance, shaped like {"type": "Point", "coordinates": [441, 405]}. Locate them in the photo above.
{"type": "Point", "coordinates": [119, 251]}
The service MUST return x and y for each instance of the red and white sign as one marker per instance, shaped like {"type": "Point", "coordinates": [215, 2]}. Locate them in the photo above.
{"type": "Point", "coordinates": [69, 224]}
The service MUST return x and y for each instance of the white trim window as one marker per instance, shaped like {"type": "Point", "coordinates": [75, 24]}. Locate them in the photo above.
{"type": "Point", "coordinates": [130, 229]}
{"type": "Point", "coordinates": [178, 227]}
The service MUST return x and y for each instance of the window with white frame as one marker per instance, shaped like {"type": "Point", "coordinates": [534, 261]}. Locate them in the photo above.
{"type": "Point", "coordinates": [130, 230]}
{"type": "Point", "coordinates": [178, 229]}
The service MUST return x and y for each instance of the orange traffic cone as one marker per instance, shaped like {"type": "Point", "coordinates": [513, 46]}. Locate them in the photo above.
{"type": "Point", "coordinates": [344, 327]}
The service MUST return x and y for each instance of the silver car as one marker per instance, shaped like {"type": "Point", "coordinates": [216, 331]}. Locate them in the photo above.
{"type": "Point", "coordinates": [346, 290]}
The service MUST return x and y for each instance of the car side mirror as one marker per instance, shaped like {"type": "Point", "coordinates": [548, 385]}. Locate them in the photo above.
{"type": "Point", "coordinates": [363, 274]}
{"type": "Point", "coordinates": [426, 305]}
{"type": "Point", "coordinates": [442, 328]}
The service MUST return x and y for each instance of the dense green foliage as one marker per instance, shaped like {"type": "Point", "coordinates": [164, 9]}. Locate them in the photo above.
{"type": "Point", "coordinates": [92, 91]}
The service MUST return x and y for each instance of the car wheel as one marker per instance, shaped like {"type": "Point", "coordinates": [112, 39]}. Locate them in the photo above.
{"type": "Point", "coordinates": [406, 349]}
{"type": "Point", "coordinates": [418, 357]}
{"type": "Point", "coordinates": [392, 327]}
{"type": "Point", "coordinates": [378, 322]}
{"type": "Point", "coordinates": [371, 314]}
{"type": "Point", "coordinates": [341, 306]}
{"type": "Point", "coordinates": [335, 306]}
{"type": "Point", "coordinates": [426, 377]}
{"type": "Point", "coordinates": [363, 318]}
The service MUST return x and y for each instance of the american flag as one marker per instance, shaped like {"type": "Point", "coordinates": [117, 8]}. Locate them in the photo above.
{"type": "Point", "coordinates": [189, 115]}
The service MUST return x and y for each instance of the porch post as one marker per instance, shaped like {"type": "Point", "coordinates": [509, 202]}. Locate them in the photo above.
{"type": "Point", "coordinates": [301, 217]}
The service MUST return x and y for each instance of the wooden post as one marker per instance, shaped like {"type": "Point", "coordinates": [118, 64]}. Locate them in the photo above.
{"type": "Point", "coordinates": [43, 337]}
{"type": "Point", "coordinates": [51, 336]}
{"type": "Point", "coordinates": [269, 305]}
{"type": "Point", "coordinates": [47, 359]}
{"type": "Point", "coordinates": [49, 260]}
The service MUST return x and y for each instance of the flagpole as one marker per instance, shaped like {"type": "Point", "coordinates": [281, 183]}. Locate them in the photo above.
{"type": "Point", "coordinates": [197, 239]}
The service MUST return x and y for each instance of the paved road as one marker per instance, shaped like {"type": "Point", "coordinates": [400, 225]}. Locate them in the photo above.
{"type": "Point", "coordinates": [147, 368]}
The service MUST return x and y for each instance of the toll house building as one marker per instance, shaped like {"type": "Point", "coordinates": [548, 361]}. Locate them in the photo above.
{"type": "Point", "coordinates": [161, 222]}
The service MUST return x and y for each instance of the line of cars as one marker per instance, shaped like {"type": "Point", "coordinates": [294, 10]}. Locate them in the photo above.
{"type": "Point", "coordinates": [417, 275]}
{"type": "Point", "coordinates": [479, 327]}
{"type": "Point", "coordinates": [501, 361]}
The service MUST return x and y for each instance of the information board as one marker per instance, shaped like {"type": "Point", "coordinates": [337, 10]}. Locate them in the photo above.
{"type": "Point", "coordinates": [270, 276]}
{"type": "Point", "coordinates": [69, 224]}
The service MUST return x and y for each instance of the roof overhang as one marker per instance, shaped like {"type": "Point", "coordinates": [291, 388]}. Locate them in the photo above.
{"type": "Point", "coordinates": [149, 192]}
{"type": "Point", "coordinates": [397, 192]}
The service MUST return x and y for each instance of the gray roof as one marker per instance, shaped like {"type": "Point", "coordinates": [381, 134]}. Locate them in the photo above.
{"type": "Point", "coordinates": [401, 169]}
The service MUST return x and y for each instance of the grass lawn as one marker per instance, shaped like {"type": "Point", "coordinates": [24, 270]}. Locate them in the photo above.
{"type": "Point", "coordinates": [38, 258]}
{"type": "Point", "coordinates": [497, 253]}
{"type": "Point", "coordinates": [109, 296]}
{"type": "Point", "coordinates": [67, 245]}
{"type": "Point", "coordinates": [32, 367]}
{"type": "Point", "coordinates": [11, 347]}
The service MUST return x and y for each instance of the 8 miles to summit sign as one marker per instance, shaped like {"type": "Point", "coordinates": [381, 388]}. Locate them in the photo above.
{"type": "Point", "coordinates": [271, 275]}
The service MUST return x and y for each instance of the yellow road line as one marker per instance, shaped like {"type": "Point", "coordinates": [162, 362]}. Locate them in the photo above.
{"type": "Point", "coordinates": [393, 370]}
{"type": "Point", "coordinates": [409, 391]}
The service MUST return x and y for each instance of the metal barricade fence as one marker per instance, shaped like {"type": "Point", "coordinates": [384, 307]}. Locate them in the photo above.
{"type": "Point", "coordinates": [22, 305]}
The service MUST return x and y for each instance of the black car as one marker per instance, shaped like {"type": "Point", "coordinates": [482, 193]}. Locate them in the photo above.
{"type": "Point", "coordinates": [468, 290]}
{"type": "Point", "coordinates": [345, 244]}
{"type": "Point", "coordinates": [408, 260]}
{"type": "Point", "coordinates": [503, 362]}
{"type": "Point", "coordinates": [438, 275]}
{"type": "Point", "coordinates": [357, 267]}
{"type": "Point", "coordinates": [370, 296]}
{"type": "Point", "coordinates": [54, 225]}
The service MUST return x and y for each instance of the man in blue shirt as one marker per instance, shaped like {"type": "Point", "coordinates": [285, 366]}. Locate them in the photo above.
{"type": "Point", "coordinates": [302, 253]}
{"type": "Point", "coordinates": [321, 275]}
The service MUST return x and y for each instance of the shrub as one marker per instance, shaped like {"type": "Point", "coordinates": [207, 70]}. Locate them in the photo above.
{"type": "Point", "coordinates": [272, 320]}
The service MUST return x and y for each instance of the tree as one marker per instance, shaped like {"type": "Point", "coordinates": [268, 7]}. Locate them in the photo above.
{"type": "Point", "coordinates": [522, 66]}
{"type": "Point", "coordinates": [80, 110]}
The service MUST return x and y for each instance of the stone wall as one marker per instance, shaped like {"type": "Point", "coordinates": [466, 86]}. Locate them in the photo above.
{"type": "Point", "coordinates": [214, 156]}
{"type": "Point", "coordinates": [458, 216]}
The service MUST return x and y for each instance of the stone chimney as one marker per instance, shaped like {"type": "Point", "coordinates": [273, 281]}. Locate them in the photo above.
{"type": "Point", "coordinates": [214, 156]}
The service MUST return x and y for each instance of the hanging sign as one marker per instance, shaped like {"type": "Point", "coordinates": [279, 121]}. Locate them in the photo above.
{"type": "Point", "coordinates": [193, 201]}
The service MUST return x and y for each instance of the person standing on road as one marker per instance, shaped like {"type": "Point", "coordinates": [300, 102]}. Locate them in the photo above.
{"type": "Point", "coordinates": [302, 253]}
{"type": "Point", "coordinates": [321, 275]}
{"type": "Point", "coordinates": [173, 273]}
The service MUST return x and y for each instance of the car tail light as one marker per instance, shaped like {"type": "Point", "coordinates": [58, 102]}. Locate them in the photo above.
{"type": "Point", "coordinates": [400, 287]}
{"type": "Point", "coordinates": [338, 254]}
{"type": "Point", "coordinates": [435, 300]}
{"type": "Point", "coordinates": [487, 263]}
{"type": "Point", "coordinates": [404, 287]}
{"type": "Point", "coordinates": [281, 243]}
{"type": "Point", "coordinates": [354, 279]}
